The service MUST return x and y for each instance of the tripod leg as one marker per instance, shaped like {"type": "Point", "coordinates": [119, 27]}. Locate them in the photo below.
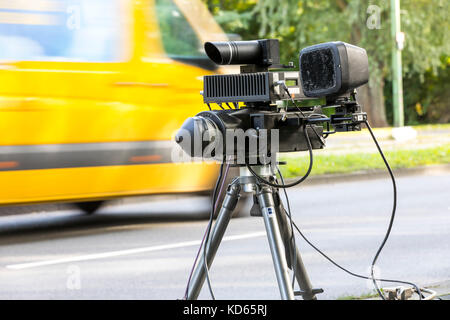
{"type": "Point", "coordinates": [266, 202]}
{"type": "Point", "coordinates": [226, 211]}
{"type": "Point", "coordinates": [300, 270]}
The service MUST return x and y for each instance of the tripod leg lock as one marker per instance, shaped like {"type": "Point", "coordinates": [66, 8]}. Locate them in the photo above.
{"type": "Point", "coordinates": [255, 211]}
{"type": "Point", "coordinates": [233, 191]}
{"type": "Point", "coordinates": [313, 292]}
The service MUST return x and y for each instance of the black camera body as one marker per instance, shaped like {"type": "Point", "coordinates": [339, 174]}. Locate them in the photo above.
{"type": "Point", "coordinates": [220, 129]}
{"type": "Point", "coordinates": [331, 70]}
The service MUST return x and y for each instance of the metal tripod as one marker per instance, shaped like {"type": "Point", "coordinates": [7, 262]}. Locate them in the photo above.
{"type": "Point", "coordinates": [279, 233]}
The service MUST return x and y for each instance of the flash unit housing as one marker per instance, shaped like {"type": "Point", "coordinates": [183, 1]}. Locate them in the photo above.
{"type": "Point", "coordinates": [332, 68]}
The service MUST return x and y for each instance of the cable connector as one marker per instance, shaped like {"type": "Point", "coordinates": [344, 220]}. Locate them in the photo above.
{"type": "Point", "coordinates": [405, 293]}
{"type": "Point", "coordinates": [359, 117]}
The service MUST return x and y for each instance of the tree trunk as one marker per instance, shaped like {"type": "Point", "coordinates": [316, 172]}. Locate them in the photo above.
{"type": "Point", "coordinates": [371, 97]}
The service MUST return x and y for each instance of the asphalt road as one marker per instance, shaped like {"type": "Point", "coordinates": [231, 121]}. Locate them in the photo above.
{"type": "Point", "coordinates": [145, 250]}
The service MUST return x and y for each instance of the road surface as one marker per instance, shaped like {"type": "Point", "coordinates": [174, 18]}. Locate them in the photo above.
{"type": "Point", "coordinates": [145, 250]}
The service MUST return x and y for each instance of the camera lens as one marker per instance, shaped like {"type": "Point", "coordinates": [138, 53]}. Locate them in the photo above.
{"type": "Point", "coordinates": [234, 52]}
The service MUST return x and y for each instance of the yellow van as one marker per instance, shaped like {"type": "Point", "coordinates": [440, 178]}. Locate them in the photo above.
{"type": "Point", "coordinates": [91, 93]}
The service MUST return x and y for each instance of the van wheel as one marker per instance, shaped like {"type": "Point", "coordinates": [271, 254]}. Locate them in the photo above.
{"type": "Point", "coordinates": [89, 207]}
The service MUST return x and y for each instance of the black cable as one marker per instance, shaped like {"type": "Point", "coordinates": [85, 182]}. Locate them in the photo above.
{"type": "Point", "coordinates": [383, 242]}
{"type": "Point", "coordinates": [186, 292]}
{"type": "Point", "coordinates": [275, 185]}
{"type": "Point", "coordinates": [348, 271]}
{"type": "Point", "coordinates": [298, 108]}
{"type": "Point", "coordinates": [211, 217]}
{"type": "Point", "coordinates": [394, 208]}
{"type": "Point", "coordinates": [305, 131]}
{"type": "Point", "coordinates": [395, 197]}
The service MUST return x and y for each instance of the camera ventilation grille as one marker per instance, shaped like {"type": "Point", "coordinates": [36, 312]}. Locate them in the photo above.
{"type": "Point", "coordinates": [249, 87]}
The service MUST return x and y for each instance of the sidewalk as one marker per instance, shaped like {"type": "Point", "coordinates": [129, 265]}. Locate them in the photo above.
{"type": "Point", "coordinates": [361, 141]}
{"type": "Point", "coordinates": [375, 174]}
{"type": "Point", "coordinates": [442, 289]}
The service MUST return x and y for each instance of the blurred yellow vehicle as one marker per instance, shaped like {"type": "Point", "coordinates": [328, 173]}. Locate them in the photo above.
{"type": "Point", "coordinates": [91, 92]}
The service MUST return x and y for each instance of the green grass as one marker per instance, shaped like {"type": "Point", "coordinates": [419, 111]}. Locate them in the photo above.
{"type": "Point", "coordinates": [352, 162]}
{"type": "Point", "coordinates": [439, 126]}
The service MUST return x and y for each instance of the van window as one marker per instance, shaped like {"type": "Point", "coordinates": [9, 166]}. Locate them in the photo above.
{"type": "Point", "coordinates": [60, 30]}
{"type": "Point", "coordinates": [179, 39]}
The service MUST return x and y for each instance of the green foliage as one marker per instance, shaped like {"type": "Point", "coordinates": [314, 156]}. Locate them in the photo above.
{"type": "Point", "coordinates": [178, 37]}
{"type": "Point", "coordinates": [426, 98]}
{"type": "Point", "coordinates": [300, 23]}
{"type": "Point", "coordinates": [235, 16]}
{"type": "Point", "coordinates": [426, 25]}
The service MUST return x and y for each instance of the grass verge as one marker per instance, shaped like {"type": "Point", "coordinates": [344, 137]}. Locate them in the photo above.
{"type": "Point", "coordinates": [439, 126]}
{"type": "Point", "coordinates": [358, 161]}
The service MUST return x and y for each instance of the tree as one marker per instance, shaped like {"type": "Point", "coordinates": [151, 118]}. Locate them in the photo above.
{"type": "Point", "coordinates": [300, 23]}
